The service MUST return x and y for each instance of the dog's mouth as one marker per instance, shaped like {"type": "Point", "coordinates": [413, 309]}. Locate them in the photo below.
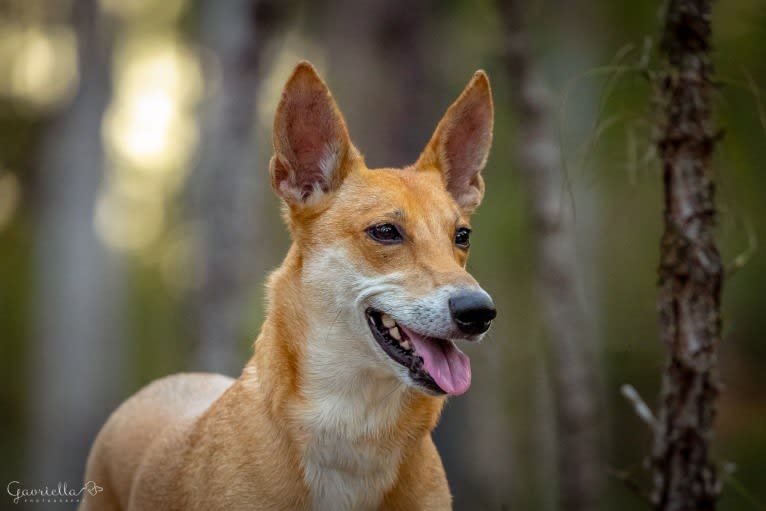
{"type": "Point", "coordinates": [435, 364]}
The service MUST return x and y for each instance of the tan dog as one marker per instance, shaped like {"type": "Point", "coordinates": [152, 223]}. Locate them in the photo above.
{"type": "Point", "coordinates": [356, 355]}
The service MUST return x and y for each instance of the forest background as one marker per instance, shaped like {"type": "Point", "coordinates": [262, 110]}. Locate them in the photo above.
{"type": "Point", "coordinates": [137, 225]}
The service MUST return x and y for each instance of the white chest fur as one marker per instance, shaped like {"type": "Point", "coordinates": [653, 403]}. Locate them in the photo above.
{"type": "Point", "coordinates": [344, 476]}
{"type": "Point", "coordinates": [347, 465]}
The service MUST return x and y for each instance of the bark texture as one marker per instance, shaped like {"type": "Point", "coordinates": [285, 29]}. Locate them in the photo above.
{"type": "Point", "coordinates": [690, 270]}
{"type": "Point", "coordinates": [553, 229]}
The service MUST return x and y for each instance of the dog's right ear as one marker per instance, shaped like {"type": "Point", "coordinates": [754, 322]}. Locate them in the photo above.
{"type": "Point", "coordinates": [312, 149]}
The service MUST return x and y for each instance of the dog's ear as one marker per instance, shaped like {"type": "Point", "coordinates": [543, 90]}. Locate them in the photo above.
{"type": "Point", "coordinates": [312, 148]}
{"type": "Point", "coordinates": [460, 145]}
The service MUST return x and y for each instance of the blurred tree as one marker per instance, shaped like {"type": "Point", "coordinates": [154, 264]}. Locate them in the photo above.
{"type": "Point", "coordinates": [225, 194]}
{"type": "Point", "coordinates": [389, 63]}
{"type": "Point", "coordinates": [691, 273]}
{"type": "Point", "coordinates": [553, 230]}
{"type": "Point", "coordinates": [77, 360]}
{"type": "Point", "coordinates": [398, 35]}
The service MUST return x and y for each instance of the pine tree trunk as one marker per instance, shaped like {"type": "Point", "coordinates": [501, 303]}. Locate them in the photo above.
{"type": "Point", "coordinates": [690, 268]}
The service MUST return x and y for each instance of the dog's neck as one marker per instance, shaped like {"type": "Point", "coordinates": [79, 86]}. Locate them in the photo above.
{"type": "Point", "coordinates": [350, 422]}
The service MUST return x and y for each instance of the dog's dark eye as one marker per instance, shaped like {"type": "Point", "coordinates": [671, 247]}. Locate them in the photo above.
{"type": "Point", "coordinates": [463, 237]}
{"type": "Point", "coordinates": [385, 233]}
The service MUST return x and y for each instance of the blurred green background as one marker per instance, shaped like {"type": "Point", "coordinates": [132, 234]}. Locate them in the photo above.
{"type": "Point", "coordinates": [107, 110]}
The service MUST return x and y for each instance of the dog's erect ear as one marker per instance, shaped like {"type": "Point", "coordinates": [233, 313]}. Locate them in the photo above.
{"type": "Point", "coordinates": [460, 145]}
{"type": "Point", "coordinates": [311, 142]}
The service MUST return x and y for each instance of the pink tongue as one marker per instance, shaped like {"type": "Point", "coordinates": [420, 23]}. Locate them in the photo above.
{"type": "Point", "coordinates": [448, 366]}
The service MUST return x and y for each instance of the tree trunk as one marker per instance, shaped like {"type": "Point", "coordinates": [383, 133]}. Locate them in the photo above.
{"type": "Point", "coordinates": [390, 55]}
{"type": "Point", "coordinates": [690, 269]}
{"type": "Point", "coordinates": [556, 272]}
{"type": "Point", "coordinates": [225, 196]}
{"type": "Point", "coordinates": [76, 360]}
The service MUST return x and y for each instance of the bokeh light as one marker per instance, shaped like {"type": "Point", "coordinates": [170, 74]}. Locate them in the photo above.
{"type": "Point", "coordinates": [150, 132]}
{"type": "Point", "coordinates": [41, 62]}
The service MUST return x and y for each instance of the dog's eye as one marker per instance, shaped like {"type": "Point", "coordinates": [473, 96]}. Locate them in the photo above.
{"type": "Point", "coordinates": [463, 237]}
{"type": "Point", "coordinates": [385, 233]}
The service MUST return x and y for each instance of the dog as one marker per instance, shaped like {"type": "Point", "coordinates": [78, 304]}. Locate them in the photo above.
{"type": "Point", "coordinates": [357, 352]}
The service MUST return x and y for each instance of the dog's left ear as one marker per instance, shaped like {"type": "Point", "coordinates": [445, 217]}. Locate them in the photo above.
{"type": "Point", "coordinates": [460, 145]}
{"type": "Point", "coordinates": [312, 149]}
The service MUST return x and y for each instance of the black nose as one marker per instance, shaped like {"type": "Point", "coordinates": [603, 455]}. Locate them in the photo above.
{"type": "Point", "coordinates": [472, 311]}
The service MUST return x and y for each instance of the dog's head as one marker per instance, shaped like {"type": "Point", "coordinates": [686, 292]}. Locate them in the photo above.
{"type": "Point", "coordinates": [383, 251]}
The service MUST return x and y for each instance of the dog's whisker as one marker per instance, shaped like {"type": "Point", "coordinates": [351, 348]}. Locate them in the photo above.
{"type": "Point", "coordinates": [398, 385]}
{"type": "Point", "coordinates": [332, 324]}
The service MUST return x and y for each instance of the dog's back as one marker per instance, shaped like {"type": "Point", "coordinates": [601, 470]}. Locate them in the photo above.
{"type": "Point", "coordinates": [157, 415]}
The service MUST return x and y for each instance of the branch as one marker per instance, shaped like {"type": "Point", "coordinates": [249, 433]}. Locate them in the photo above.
{"type": "Point", "coordinates": [639, 406]}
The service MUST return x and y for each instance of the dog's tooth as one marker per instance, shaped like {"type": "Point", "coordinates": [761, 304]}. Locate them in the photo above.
{"type": "Point", "coordinates": [394, 332]}
{"type": "Point", "coordinates": [406, 345]}
{"type": "Point", "coordinates": [388, 321]}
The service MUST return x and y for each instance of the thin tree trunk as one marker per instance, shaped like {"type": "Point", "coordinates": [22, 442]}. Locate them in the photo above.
{"type": "Point", "coordinates": [75, 361]}
{"type": "Point", "coordinates": [690, 270]}
{"type": "Point", "coordinates": [399, 30]}
{"type": "Point", "coordinates": [225, 194]}
{"type": "Point", "coordinates": [553, 229]}
{"type": "Point", "coordinates": [390, 53]}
